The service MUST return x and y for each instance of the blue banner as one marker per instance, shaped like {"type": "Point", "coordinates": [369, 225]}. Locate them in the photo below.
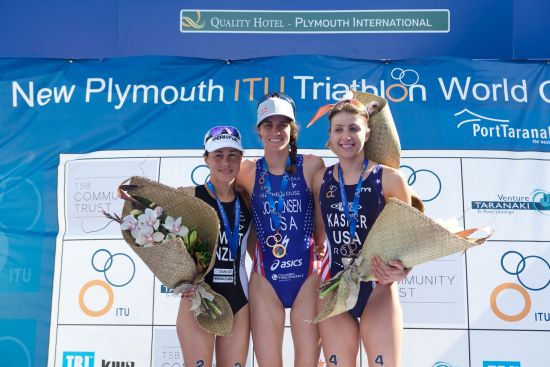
{"type": "Point", "coordinates": [132, 103]}
{"type": "Point", "coordinates": [384, 30]}
{"type": "Point", "coordinates": [52, 107]}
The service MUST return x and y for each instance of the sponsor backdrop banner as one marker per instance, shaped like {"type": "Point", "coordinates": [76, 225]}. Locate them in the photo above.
{"type": "Point", "coordinates": [392, 29]}
{"type": "Point", "coordinates": [476, 140]}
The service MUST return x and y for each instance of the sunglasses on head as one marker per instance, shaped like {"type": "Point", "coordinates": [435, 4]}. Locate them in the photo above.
{"type": "Point", "coordinates": [222, 130]}
{"type": "Point", "coordinates": [278, 95]}
{"type": "Point", "coordinates": [352, 101]}
{"type": "Point", "coordinates": [330, 107]}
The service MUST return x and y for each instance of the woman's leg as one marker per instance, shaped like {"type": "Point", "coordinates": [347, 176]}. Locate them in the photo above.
{"type": "Point", "coordinates": [196, 344]}
{"type": "Point", "coordinates": [267, 321]}
{"type": "Point", "coordinates": [382, 327]}
{"type": "Point", "coordinates": [339, 338]}
{"type": "Point", "coordinates": [305, 335]}
{"type": "Point", "coordinates": [232, 350]}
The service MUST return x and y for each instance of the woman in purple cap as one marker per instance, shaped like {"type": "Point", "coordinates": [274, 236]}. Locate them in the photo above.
{"type": "Point", "coordinates": [285, 269]}
{"type": "Point", "coordinates": [223, 154]}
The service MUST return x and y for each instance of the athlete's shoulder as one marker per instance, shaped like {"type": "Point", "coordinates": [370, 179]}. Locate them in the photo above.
{"type": "Point", "coordinates": [391, 174]}
{"type": "Point", "coordinates": [312, 164]}
{"type": "Point", "coordinates": [318, 177]}
{"type": "Point", "coordinates": [247, 169]}
{"type": "Point", "coordinates": [248, 164]}
{"type": "Point", "coordinates": [313, 161]}
{"type": "Point", "coordinates": [247, 174]}
{"type": "Point", "coordinates": [395, 184]}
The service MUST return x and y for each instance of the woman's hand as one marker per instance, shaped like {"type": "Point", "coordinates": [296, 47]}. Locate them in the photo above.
{"type": "Point", "coordinates": [189, 292]}
{"type": "Point", "coordinates": [393, 271]}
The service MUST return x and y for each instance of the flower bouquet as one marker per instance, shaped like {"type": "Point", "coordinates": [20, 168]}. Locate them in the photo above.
{"type": "Point", "coordinates": [175, 234]}
{"type": "Point", "coordinates": [403, 233]}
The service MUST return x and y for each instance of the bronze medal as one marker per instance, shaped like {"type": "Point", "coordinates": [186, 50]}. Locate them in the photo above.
{"type": "Point", "coordinates": [348, 250]}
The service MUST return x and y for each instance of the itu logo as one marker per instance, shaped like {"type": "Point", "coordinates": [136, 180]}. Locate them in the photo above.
{"type": "Point", "coordinates": [78, 359]}
{"type": "Point", "coordinates": [118, 271]}
{"type": "Point", "coordinates": [22, 193]}
{"type": "Point", "coordinates": [408, 79]}
{"type": "Point", "coordinates": [533, 273]}
{"type": "Point", "coordinates": [13, 349]}
{"type": "Point", "coordinates": [424, 181]}
{"type": "Point", "coordinates": [200, 174]}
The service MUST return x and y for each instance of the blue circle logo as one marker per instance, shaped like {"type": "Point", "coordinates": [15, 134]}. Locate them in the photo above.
{"type": "Point", "coordinates": [428, 184]}
{"type": "Point", "coordinates": [200, 174]}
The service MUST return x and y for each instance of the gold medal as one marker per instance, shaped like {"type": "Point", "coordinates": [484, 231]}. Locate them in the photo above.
{"type": "Point", "coordinates": [279, 250]}
{"type": "Point", "coordinates": [274, 241]}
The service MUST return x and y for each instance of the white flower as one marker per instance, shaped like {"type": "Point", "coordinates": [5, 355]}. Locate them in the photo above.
{"type": "Point", "coordinates": [146, 237]}
{"type": "Point", "coordinates": [142, 234]}
{"type": "Point", "coordinates": [139, 237]}
{"type": "Point", "coordinates": [149, 218]}
{"type": "Point", "coordinates": [175, 226]}
{"type": "Point", "coordinates": [129, 222]}
{"type": "Point", "coordinates": [158, 236]}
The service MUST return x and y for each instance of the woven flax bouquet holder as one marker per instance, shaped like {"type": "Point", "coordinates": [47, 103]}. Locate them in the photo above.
{"type": "Point", "coordinates": [401, 232]}
{"type": "Point", "coordinates": [170, 262]}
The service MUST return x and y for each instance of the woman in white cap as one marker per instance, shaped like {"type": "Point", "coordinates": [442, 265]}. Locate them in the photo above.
{"type": "Point", "coordinates": [285, 269]}
{"type": "Point", "coordinates": [223, 154]}
{"type": "Point", "coordinates": [349, 196]}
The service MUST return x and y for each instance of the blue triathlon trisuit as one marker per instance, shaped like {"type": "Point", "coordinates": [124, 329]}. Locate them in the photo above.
{"type": "Point", "coordinates": [371, 203]}
{"type": "Point", "coordinates": [228, 276]}
{"type": "Point", "coordinates": [287, 273]}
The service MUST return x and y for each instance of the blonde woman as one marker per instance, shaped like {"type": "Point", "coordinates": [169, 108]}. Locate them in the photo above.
{"type": "Point", "coordinates": [349, 196]}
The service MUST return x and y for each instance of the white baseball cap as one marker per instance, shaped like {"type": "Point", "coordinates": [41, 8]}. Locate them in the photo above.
{"type": "Point", "coordinates": [275, 104]}
{"type": "Point", "coordinates": [220, 137]}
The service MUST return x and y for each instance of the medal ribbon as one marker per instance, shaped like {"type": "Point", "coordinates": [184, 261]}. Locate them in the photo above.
{"type": "Point", "coordinates": [351, 216]}
{"type": "Point", "coordinates": [232, 236]}
{"type": "Point", "coordinates": [284, 183]}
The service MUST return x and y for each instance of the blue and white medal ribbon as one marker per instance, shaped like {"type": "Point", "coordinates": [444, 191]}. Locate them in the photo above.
{"type": "Point", "coordinates": [274, 241]}
{"type": "Point", "coordinates": [351, 214]}
{"type": "Point", "coordinates": [231, 235]}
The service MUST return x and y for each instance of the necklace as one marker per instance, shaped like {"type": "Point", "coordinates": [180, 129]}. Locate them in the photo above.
{"type": "Point", "coordinates": [274, 241]}
{"type": "Point", "coordinates": [231, 235]}
{"type": "Point", "coordinates": [348, 249]}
